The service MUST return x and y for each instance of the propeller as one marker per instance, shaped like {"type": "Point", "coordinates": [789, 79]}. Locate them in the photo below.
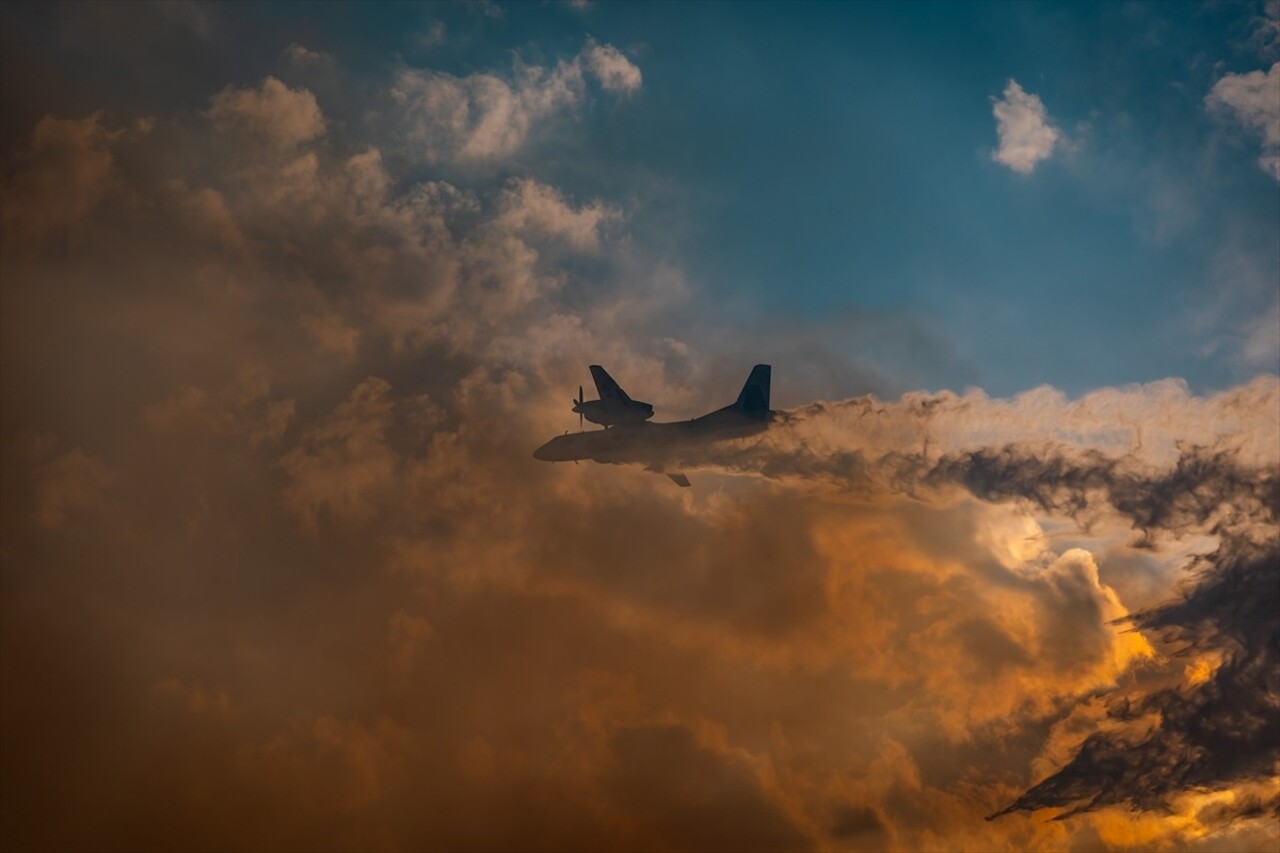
{"type": "Point", "coordinates": [578, 408]}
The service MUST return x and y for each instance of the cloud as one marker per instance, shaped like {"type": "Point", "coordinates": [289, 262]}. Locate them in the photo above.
{"type": "Point", "coordinates": [302, 56]}
{"type": "Point", "coordinates": [332, 334]}
{"type": "Point", "coordinates": [1266, 33]}
{"type": "Point", "coordinates": [1211, 734]}
{"type": "Point", "coordinates": [681, 793]}
{"type": "Point", "coordinates": [64, 170]}
{"type": "Point", "coordinates": [1254, 100]}
{"type": "Point", "coordinates": [530, 207]}
{"type": "Point", "coordinates": [484, 117]}
{"type": "Point", "coordinates": [1262, 338]}
{"type": "Point", "coordinates": [343, 463]}
{"type": "Point", "coordinates": [615, 72]}
{"type": "Point", "coordinates": [284, 118]}
{"type": "Point", "coordinates": [1026, 135]}
{"type": "Point", "coordinates": [241, 408]}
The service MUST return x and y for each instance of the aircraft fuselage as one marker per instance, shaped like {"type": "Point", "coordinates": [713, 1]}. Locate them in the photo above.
{"type": "Point", "coordinates": [655, 444]}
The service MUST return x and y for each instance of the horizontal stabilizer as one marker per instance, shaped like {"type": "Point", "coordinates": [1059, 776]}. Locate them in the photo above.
{"type": "Point", "coordinates": [680, 480]}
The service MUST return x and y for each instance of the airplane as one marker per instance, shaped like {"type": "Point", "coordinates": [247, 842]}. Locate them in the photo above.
{"type": "Point", "coordinates": [614, 406]}
{"type": "Point", "coordinates": [659, 445]}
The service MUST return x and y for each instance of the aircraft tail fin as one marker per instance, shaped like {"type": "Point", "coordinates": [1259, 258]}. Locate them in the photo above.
{"type": "Point", "coordinates": [754, 398]}
{"type": "Point", "coordinates": [606, 387]}
{"type": "Point", "coordinates": [679, 479]}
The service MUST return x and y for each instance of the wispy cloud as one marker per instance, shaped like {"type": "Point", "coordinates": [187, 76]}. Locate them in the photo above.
{"type": "Point", "coordinates": [485, 116]}
{"type": "Point", "coordinates": [300, 55]}
{"type": "Point", "coordinates": [615, 72]}
{"type": "Point", "coordinates": [1253, 99]}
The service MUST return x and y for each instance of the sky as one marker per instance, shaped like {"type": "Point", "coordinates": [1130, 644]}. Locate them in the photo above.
{"type": "Point", "coordinates": [289, 294]}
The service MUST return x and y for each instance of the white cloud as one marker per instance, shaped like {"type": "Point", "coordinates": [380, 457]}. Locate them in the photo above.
{"type": "Point", "coordinates": [615, 72]}
{"type": "Point", "coordinates": [1254, 100]}
{"type": "Point", "coordinates": [1026, 135]}
{"type": "Point", "coordinates": [485, 117]}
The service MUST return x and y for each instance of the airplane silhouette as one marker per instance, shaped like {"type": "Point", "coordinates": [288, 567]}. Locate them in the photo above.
{"type": "Point", "coordinates": [657, 445]}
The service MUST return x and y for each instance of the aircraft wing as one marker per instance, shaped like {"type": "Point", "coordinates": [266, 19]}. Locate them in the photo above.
{"type": "Point", "coordinates": [606, 387]}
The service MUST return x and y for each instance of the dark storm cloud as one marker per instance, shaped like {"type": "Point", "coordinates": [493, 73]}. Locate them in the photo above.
{"type": "Point", "coordinates": [1209, 735]}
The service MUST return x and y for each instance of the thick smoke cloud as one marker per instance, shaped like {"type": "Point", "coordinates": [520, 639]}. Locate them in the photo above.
{"type": "Point", "coordinates": [1208, 735]}
{"type": "Point", "coordinates": [279, 571]}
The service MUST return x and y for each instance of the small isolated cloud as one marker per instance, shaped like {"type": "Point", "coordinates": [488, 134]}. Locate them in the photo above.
{"type": "Point", "coordinates": [1026, 135]}
{"type": "Point", "coordinates": [1254, 100]}
{"type": "Point", "coordinates": [615, 72]}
